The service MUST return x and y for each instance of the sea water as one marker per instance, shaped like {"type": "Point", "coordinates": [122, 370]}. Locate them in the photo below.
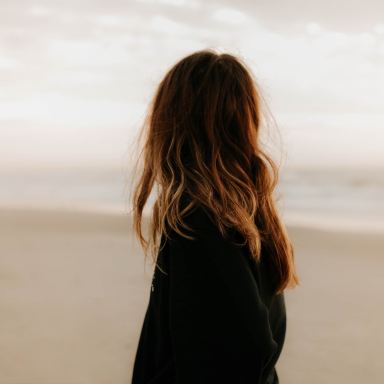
{"type": "Point", "coordinates": [333, 198]}
{"type": "Point", "coordinates": [324, 198]}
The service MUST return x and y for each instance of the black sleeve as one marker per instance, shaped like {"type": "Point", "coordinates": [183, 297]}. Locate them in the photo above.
{"type": "Point", "coordinates": [218, 322]}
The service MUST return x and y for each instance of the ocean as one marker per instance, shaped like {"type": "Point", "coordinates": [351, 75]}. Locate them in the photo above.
{"type": "Point", "coordinates": [323, 198]}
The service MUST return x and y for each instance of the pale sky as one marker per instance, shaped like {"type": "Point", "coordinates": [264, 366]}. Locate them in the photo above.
{"type": "Point", "coordinates": [76, 75]}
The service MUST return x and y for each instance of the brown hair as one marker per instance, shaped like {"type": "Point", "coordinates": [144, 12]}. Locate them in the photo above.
{"type": "Point", "coordinates": [202, 138]}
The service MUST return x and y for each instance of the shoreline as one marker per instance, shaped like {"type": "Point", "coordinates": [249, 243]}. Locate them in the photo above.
{"type": "Point", "coordinates": [292, 221]}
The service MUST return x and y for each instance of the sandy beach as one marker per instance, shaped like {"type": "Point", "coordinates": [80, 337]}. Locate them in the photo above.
{"type": "Point", "coordinates": [73, 292]}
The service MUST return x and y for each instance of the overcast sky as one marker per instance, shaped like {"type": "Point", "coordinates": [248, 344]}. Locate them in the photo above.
{"type": "Point", "coordinates": [76, 75]}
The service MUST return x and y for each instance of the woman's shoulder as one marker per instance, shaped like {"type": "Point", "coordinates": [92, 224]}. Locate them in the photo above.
{"type": "Point", "coordinates": [200, 218]}
{"type": "Point", "coordinates": [197, 215]}
{"type": "Point", "coordinates": [202, 222]}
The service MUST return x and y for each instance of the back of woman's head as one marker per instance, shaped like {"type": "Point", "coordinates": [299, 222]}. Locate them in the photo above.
{"type": "Point", "coordinates": [202, 141]}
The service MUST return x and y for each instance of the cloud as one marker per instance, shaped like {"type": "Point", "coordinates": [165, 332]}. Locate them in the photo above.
{"type": "Point", "coordinates": [8, 63]}
{"type": "Point", "coordinates": [229, 15]}
{"type": "Point", "coordinates": [289, 16]}
{"type": "Point", "coordinates": [85, 62]}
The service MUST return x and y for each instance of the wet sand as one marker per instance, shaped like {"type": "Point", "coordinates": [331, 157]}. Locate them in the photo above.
{"type": "Point", "coordinates": [73, 292]}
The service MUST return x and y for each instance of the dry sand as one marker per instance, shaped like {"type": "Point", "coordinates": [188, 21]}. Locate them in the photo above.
{"type": "Point", "coordinates": [73, 292]}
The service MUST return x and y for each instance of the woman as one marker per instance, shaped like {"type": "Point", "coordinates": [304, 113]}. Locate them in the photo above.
{"type": "Point", "coordinates": [216, 311]}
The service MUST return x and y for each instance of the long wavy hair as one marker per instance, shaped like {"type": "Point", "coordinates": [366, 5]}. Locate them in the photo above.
{"type": "Point", "coordinates": [201, 137]}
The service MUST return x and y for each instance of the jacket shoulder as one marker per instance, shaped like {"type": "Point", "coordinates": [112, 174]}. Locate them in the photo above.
{"type": "Point", "coordinates": [202, 224]}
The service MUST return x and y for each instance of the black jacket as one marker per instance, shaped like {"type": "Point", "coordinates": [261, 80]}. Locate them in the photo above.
{"type": "Point", "coordinates": [211, 316]}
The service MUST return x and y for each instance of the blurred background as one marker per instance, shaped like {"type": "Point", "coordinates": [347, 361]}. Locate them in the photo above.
{"type": "Point", "coordinates": [76, 78]}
